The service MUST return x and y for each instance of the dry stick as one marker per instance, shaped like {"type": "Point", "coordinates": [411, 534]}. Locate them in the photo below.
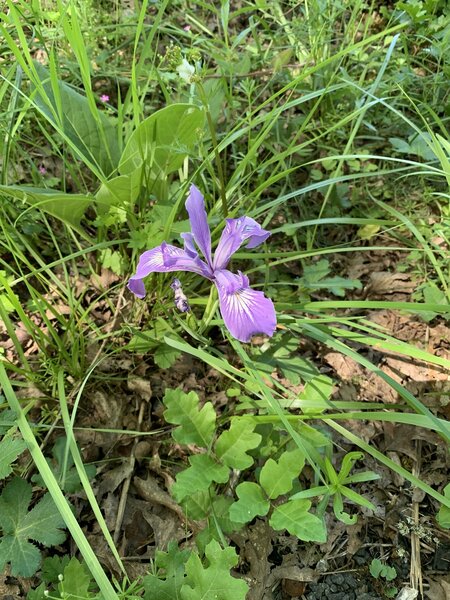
{"type": "Point", "coordinates": [127, 482]}
{"type": "Point", "coordinates": [415, 573]}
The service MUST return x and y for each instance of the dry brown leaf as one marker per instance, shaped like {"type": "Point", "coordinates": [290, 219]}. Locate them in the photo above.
{"type": "Point", "coordinates": [140, 386]}
{"type": "Point", "coordinates": [345, 367]}
{"type": "Point", "coordinates": [439, 589]}
{"type": "Point", "coordinates": [384, 283]}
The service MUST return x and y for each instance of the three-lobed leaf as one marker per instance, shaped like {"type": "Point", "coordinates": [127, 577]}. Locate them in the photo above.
{"type": "Point", "coordinates": [213, 581]}
{"type": "Point", "coordinates": [276, 477]}
{"type": "Point", "coordinates": [295, 518]}
{"type": "Point", "coordinates": [252, 502]}
{"type": "Point", "coordinates": [232, 446]}
{"type": "Point", "coordinates": [197, 425]}
{"type": "Point", "coordinates": [199, 476]}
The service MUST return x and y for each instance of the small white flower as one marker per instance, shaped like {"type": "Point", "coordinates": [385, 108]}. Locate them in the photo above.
{"type": "Point", "coordinates": [186, 71]}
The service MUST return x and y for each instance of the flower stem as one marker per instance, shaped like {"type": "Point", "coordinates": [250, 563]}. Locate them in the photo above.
{"type": "Point", "coordinates": [210, 309]}
{"type": "Point", "coordinates": [212, 131]}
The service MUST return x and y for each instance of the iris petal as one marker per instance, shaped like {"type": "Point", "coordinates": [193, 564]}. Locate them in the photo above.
{"type": "Point", "coordinates": [164, 259]}
{"type": "Point", "coordinates": [236, 232]}
{"type": "Point", "coordinates": [195, 205]}
{"type": "Point", "coordinates": [245, 312]}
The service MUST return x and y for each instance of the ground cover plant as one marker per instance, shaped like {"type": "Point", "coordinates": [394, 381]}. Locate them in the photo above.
{"type": "Point", "coordinates": [224, 300]}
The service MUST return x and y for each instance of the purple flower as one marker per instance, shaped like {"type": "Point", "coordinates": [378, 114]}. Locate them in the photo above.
{"type": "Point", "coordinates": [104, 98]}
{"type": "Point", "coordinates": [244, 311]}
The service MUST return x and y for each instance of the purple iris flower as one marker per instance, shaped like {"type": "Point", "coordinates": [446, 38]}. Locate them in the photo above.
{"type": "Point", "coordinates": [245, 311]}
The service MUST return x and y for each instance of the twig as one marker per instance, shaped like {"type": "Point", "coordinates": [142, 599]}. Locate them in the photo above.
{"type": "Point", "coordinates": [126, 483]}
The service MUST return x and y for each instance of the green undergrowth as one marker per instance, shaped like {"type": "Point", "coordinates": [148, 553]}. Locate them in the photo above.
{"type": "Point", "coordinates": [326, 123]}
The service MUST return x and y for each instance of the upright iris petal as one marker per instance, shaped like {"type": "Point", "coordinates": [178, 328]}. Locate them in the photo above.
{"type": "Point", "coordinates": [195, 205]}
{"type": "Point", "coordinates": [245, 311]}
{"type": "Point", "coordinates": [236, 232]}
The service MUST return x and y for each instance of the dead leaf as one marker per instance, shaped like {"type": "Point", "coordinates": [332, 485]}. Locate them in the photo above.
{"type": "Point", "coordinates": [439, 589]}
{"type": "Point", "coordinates": [140, 386]}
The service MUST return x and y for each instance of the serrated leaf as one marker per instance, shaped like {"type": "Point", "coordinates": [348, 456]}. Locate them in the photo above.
{"type": "Point", "coordinates": [252, 502]}
{"type": "Point", "coordinates": [295, 518]}
{"type": "Point", "coordinates": [443, 515]}
{"type": "Point", "coordinates": [167, 585]}
{"type": "Point", "coordinates": [42, 524]}
{"type": "Point", "coordinates": [276, 477]}
{"type": "Point", "coordinates": [76, 581]}
{"type": "Point", "coordinates": [165, 356]}
{"type": "Point", "coordinates": [213, 582]}
{"type": "Point", "coordinates": [232, 446]}
{"type": "Point", "coordinates": [197, 425]}
{"type": "Point", "coordinates": [10, 448]}
{"type": "Point", "coordinates": [7, 420]}
{"type": "Point", "coordinates": [52, 567]}
{"type": "Point", "coordinates": [162, 141]}
{"type": "Point", "coordinates": [199, 476]}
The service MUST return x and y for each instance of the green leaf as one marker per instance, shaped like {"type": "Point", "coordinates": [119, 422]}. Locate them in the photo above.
{"type": "Point", "coordinates": [38, 593]}
{"type": "Point", "coordinates": [162, 141]}
{"type": "Point", "coordinates": [10, 448]}
{"type": "Point", "coordinates": [252, 502]}
{"type": "Point", "coordinates": [378, 569]}
{"type": "Point", "coordinates": [232, 446]}
{"type": "Point", "coordinates": [7, 419]}
{"type": "Point", "coordinates": [197, 425]}
{"type": "Point", "coordinates": [165, 356]}
{"type": "Point", "coordinates": [91, 131]}
{"type": "Point", "coordinates": [295, 518]}
{"type": "Point", "coordinates": [276, 477]}
{"type": "Point", "coordinates": [71, 483]}
{"type": "Point", "coordinates": [317, 390]}
{"type": "Point", "coordinates": [199, 476]}
{"type": "Point", "coordinates": [170, 565]}
{"type": "Point", "coordinates": [52, 567]}
{"type": "Point", "coordinates": [214, 581]}
{"type": "Point", "coordinates": [121, 192]}
{"type": "Point", "coordinates": [42, 524]}
{"type": "Point", "coordinates": [443, 515]}
{"type": "Point", "coordinates": [69, 208]}
{"type": "Point", "coordinates": [76, 581]}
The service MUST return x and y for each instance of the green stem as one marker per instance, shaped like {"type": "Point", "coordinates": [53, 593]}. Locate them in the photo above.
{"type": "Point", "coordinates": [220, 173]}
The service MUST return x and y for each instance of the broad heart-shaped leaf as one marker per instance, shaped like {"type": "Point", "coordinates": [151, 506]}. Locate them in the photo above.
{"type": "Point", "coordinates": [197, 425]}
{"type": "Point", "coordinates": [252, 502]}
{"type": "Point", "coordinates": [10, 449]}
{"type": "Point", "coordinates": [232, 446]}
{"type": "Point", "coordinates": [443, 515]}
{"type": "Point", "coordinates": [199, 476]}
{"type": "Point", "coordinates": [92, 131]}
{"type": "Point", "coordinates": [167, 586]}
{"type": "Point", "coordinates": [213, 582]}
{"type": "Point", "coordinates": [121, 191]}
{"type": "Point", "coordinates": [294, 517]}
{"type": "Point", "coordinates": [276, 477]}
{"type": "Point", "coordinates": [42, 524]}
{"type": "Point", "coordinates": [69, 208]}
{"type": "Point", "coordinates": [162, 141]}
